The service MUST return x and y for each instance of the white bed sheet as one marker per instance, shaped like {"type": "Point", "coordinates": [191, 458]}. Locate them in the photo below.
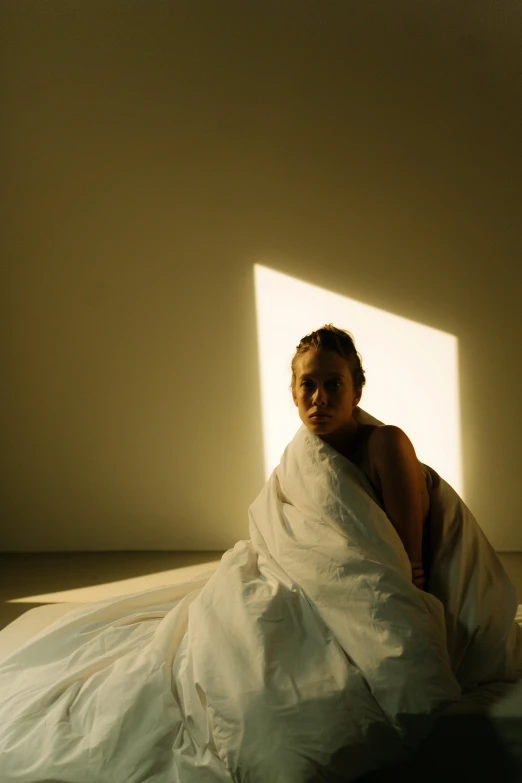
{"type": "Point", "coordinates": [480, 736]}
{"type": "Point", "coordinates": [30, 623]}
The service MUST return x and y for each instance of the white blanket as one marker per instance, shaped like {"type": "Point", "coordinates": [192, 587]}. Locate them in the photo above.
{"type": "Point", "coordinates": [307, 655]}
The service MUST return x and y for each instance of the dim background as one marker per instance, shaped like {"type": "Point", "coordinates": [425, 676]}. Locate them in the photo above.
{"type": "Point", "coordinates": [151, 153]}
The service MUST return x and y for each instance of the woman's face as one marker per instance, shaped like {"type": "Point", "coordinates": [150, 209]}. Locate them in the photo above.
{"type": "Point", "coordinates": [324, 385]}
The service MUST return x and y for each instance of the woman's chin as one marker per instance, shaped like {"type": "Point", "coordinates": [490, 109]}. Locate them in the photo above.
{"type": "Point", "coordinates": [320, 425]}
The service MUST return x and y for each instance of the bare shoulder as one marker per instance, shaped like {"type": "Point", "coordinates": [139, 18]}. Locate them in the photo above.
{"type": "Point", "coordinates": [394, 464]}
{"type": "Point", "coordinates": [389, 441]}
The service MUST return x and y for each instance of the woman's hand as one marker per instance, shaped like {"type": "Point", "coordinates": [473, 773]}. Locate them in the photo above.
{"type": "Point", "coordinates": [418, 579]}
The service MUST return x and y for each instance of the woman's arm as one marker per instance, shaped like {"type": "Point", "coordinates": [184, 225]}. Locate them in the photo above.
{"type": "Point", "coordinates": [399, 473]}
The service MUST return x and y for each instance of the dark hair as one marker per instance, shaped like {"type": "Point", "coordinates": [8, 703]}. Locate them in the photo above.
{"type": "Point", "coordinates": [329, 338]}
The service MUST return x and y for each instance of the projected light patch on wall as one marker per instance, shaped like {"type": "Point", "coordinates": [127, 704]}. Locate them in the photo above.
{"type": "Point", "coordinates": [411, 369]}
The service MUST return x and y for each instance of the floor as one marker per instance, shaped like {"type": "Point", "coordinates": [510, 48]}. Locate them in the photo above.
{"type": "Point", "coordinates": [33, 579]}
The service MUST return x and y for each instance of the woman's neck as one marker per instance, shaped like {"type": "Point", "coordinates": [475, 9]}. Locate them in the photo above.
{"type": "Point", "coordinates": [344, 440]}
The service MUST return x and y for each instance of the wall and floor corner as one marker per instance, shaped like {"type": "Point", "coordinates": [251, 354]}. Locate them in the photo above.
{"type": "Point", "coordinates": [153, 154]}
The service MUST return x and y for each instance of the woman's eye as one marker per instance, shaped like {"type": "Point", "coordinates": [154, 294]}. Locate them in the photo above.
{"type": "Point", "coordinates": [306, 384]}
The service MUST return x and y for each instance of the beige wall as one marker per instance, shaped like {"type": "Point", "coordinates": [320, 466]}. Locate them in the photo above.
{"type": "Point", "coordinates": [152, 152]}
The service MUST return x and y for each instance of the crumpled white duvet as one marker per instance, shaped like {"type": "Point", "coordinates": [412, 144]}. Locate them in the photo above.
{"type": "Point", "coordinates": [307, 655]}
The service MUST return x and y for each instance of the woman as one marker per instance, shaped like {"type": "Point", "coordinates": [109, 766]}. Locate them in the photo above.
{"type": "Point", "coordinates": [327, 383]}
